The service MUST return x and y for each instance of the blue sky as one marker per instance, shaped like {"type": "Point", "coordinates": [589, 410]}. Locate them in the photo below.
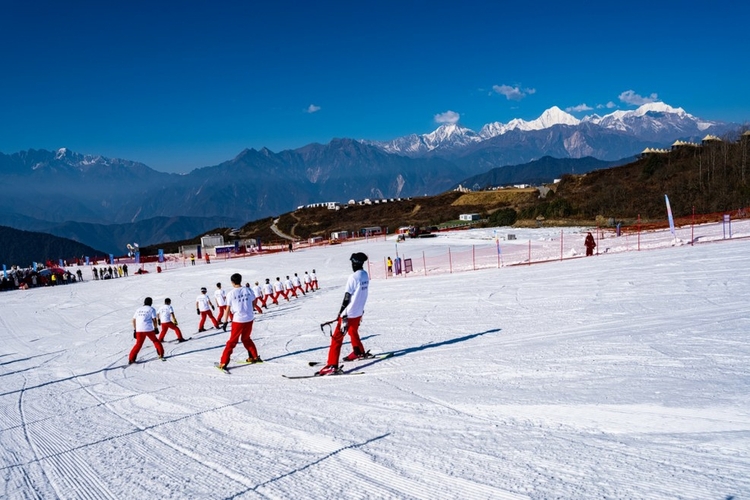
{"type": "Point", "coordinates": [181, 85]}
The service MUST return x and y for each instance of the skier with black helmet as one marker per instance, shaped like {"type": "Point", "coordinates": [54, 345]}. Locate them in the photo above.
{"type": "Point", "coordinates": [350, 315]}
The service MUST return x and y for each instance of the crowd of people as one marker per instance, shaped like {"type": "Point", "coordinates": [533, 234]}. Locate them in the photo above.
{"type": "Point", "coordinates": [24, 278]}
{"type": "Point", "coordinates": [239, 305]}
{"type": "Point", "coordinates": [220, 302]}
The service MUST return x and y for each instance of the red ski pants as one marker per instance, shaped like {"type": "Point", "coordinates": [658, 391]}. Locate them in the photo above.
{"type": "Point", "coordinates": [169, 326]}
{"type": "Point", "coordinates": [140, 338]}
{"type": "Point", "coordinates": [240, 332]}
{"type": "Point", "coordinates": [207, 314]}
{"type": "Point", "coordinates": [338, 338]}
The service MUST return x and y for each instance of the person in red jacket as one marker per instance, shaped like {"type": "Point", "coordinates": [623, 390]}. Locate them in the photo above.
{"type": "Point", "coordinates": [590, 244]}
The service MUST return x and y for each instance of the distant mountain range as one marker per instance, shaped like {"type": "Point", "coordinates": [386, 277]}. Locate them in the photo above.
{"type": "Point", "coordinates": [51, 191]}
{"type": "Point", "coordinates": [651, 124]}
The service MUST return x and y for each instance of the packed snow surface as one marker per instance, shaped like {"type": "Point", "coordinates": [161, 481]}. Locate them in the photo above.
{"type": "Point", "coordinates": [623, 375]}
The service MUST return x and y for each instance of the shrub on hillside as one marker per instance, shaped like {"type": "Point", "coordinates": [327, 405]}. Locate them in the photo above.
{"type": "Point", "coordinates": [503, 217]}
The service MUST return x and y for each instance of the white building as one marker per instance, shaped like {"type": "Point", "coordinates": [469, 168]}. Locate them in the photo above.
{"type": "Point", "coordinates": [469, 217]}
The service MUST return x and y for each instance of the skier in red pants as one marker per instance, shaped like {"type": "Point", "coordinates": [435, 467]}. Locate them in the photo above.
{"type": "Point", "coordinates": [144, 326]}
{"type": "Point", "coordinates": [203, 307]}
{"type": "Point", "coordinates": [240, 301]}
{"type": "Point", "coordinates": [350, 315]}
{"type": "Point", "coordinates": [168, 321]}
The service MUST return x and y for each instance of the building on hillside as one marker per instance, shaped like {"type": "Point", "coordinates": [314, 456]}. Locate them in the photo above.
{"type": "Point", "coordinates": [469, 217]}
{"type": "Point", "coordinates": [653, 151]}
{"type": "Point", "coordinates": [339, 235]}
{"type": "Point", "coordinates": [371, 231]}
{"type": "Point", "coordinates": [711, 139]}
{"type": "Point", "coordinates": [462, 189]}
{"type": "Point", "coordinates": [212, 240]}
{"type": "Point", "coordinates": [684, 144]}
{"type": "Point", "coordinates": [333, 205]}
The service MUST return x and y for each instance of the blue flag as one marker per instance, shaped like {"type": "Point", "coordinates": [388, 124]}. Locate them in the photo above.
{"type": "Point", "coordinates": [669, 215]}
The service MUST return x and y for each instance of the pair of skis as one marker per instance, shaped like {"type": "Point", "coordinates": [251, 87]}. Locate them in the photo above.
{"type": "Point", "coordinates": [383, 355]}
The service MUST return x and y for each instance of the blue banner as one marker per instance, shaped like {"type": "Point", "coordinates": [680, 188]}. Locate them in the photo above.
{"type": "Point", "coordinates": [161, 255]}
{"type": "Point", "coordinates": [137, 257]}
{"type": "Point", "coordinates": [111, 259]}
{"type": "Point", "coordinates": [34, 266]}
{"type": "Point", "coordinates": [5, 272]}
{"type": "Point", "coordinates": [669, 215]}
{"type": "Point", "coordinates": [87, 261]}
{"type": "Point", "coordinates": [61, 263]}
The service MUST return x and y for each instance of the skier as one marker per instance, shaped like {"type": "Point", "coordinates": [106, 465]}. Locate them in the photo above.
{"type": "Point", "coordinates": [350, 315]}
{"type": "Point", "coordinates": [203, 307]}
{"type": "Point", "coordinates": [268, 293]}
{"type": "Point", "coordinates": [240, 301]}
{"type": "Point", "coordinates": [256, 307]}
{"type": "Point", "coordinates": [314, 279]}
{"type": "Point", "coordinates": [297, 284]}
{"type": "Point", "coordinates": [278, 289]}
{"type": "Point", "coordinates": [389, 263]}
{"type": "Point", "coordinates": [144, 326]}
{"type": "Point", "coordinates": [258, 297]}
{"type": "Point", "coordinates": [308, 282]}
{"type": "Point", "coordinates": [590, 244]}
{"type": "Point", "coordinates": [289, 287]}
{"type": "Point", "coordinates": [168, 321]}
{"type": "Point", "coordinates": [221, 302]}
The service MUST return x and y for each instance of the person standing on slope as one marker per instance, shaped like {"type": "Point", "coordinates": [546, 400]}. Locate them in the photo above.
{"type": "Point", "coordinates": [297, 284]}
{"type": "Point", "coordinates": [144, 327]}
{"type": "Point", "coordinates": [279, 291]}
{"type": "Point", "coordinates": [268, 293]}
{"type": "Point", "coordinates": [240, 305]}
{"type": "Point", "coordinates": [590, 244]}
{"type": "Point", "coordinates": [314, 278]}
{"type": "Point", "coordinates": [258, 292]}
{"type": "Point", "coordinates": [308, 282]}
{"type": "Point", "coordinates": [168, 321]}
{"type": "Point", "coordinates": [289, 287]}
{"type": "Point", "coordinates": [221, 302]}
{"type": "Point", "coordinates": [350, 315]}
{"type": "Point", "coordinates": [203, 307]}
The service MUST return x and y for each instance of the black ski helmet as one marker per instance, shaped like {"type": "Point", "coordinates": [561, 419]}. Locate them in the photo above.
{"type": "Point", "coordinates": [358, 260]}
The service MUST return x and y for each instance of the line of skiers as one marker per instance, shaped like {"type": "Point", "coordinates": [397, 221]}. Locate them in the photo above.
{"type": "Point", "coordinates": [239, 306]}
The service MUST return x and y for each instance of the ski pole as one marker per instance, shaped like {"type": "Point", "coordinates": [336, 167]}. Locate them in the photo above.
{"type": "Point", "coordinates": [328, 324]}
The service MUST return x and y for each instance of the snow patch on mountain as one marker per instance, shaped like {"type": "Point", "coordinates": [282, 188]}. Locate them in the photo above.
{"type": "Point", "coordinates": [551, 117]}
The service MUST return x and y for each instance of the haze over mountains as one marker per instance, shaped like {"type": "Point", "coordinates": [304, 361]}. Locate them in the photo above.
{"type": "Point", "coordinates": [46, 191]}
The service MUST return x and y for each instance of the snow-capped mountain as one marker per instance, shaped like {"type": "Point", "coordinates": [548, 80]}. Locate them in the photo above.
{"type": "Point", "coordinates": [653, 123]}
{"type": "Point", "coordinates": [551, 117]}
{"type": "Point", "coordinates": [449, 136]}
{"type": "Point", "coordinates": [654, 120]}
